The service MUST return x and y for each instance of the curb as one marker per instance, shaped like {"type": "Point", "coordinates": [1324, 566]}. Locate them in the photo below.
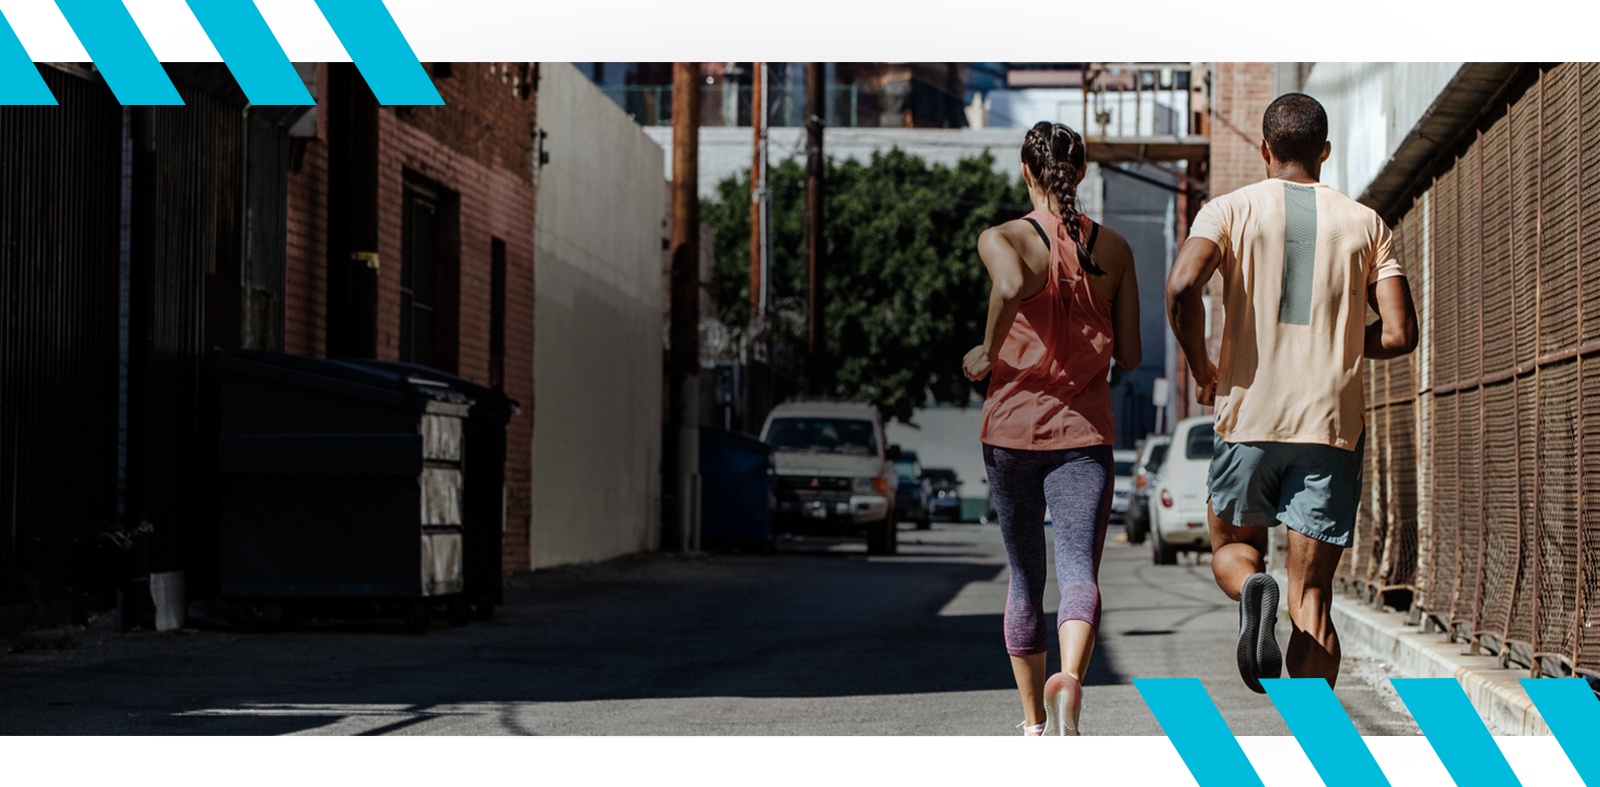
{"type": "Point", "coordinates": [1495, 692]}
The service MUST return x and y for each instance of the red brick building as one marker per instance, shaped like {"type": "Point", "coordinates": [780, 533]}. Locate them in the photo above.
{"type": "Point", "coordinates": [411, 238]}
{"type": "Point", "coordinates": [1240, 93]}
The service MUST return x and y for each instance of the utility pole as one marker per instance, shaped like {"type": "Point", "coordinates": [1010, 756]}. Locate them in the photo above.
{"type": "Point", "coordinates": [686, 295]}
{"type": "Point", "coordinates": [758, 185]}
{"type": "Point", "coordinates": [757, 384]}
{"type": "Point", "coordinates": [816, 111]}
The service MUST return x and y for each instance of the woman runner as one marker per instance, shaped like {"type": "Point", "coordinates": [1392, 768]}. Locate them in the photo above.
{"type": "Point", "coordinates": [1064, 302]}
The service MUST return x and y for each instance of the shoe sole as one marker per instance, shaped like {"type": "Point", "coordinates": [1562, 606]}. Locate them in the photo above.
{"type": "Point", "coordinates": [1062, 697]}
{"type": "Point", "coordinates": [1258, 652]}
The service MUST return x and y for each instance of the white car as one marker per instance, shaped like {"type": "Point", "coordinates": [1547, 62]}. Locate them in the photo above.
{"type": "Point", "coordinates": [1151, 453]}
{"type": "Point", "coordinates": [834, 472]}
{"type": "Point", "coordinates": [1178, 520]}
{"type": "Point", "coordinates": [1122, 485]}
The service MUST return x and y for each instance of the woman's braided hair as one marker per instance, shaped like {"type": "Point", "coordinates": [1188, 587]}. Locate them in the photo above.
{"type": "Point", "coordinates": [1054, 153]}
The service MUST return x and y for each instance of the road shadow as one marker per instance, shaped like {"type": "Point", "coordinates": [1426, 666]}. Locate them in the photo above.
{"type": "Point", "coordinates": [791, 625]}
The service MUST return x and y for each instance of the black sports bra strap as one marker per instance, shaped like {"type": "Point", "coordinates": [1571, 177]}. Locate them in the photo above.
{"type": "Point", "coordinates": [1094, 233]}
{"type": "Point", "coordinates": [1042, 235]}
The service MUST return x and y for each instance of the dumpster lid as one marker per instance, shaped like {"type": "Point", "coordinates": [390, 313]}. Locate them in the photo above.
{"type": "Point", "coordinates": [485, 400]}
{"type": "Point", "coordinates": [342, 377]}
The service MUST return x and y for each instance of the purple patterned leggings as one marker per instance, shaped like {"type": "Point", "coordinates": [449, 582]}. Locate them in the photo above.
{"type": "Point", "coordinates": [1076, 484]}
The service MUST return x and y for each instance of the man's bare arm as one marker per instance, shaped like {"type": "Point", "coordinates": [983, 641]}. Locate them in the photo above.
{"type": "Point", "coordinates": [1395, 332]}
{"type": "Point", "coordinates": [1197, 261]}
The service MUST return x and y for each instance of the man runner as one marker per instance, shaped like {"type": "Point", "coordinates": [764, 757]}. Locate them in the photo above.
{"type": "Point", "coordinates": [1296, 259]}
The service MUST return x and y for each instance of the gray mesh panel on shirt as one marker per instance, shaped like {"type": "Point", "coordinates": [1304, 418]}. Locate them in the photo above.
{"type": "Point", "coordinates": [1299, 253]}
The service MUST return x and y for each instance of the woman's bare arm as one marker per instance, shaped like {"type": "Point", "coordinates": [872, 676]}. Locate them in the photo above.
{"type": "Point", "coordinates": [1005, 267]}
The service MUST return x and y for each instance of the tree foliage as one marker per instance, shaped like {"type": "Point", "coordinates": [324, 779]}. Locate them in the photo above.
{"type": "Point", "coordinates": [905, 292]}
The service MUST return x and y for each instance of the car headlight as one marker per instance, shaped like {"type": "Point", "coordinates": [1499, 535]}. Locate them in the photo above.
{"type": "Point", "coordinates": [864, 484]}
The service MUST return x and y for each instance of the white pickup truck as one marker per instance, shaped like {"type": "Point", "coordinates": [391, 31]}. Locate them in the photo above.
{"type": "Point", "coordinates": [835, 474]}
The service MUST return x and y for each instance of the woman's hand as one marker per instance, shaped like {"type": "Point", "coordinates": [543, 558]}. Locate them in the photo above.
{"type": "Point", "coordinates": [977, 363]}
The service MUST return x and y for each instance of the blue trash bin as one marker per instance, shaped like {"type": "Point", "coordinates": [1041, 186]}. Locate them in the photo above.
{"type": "Point", "coordinates": [735, 491]}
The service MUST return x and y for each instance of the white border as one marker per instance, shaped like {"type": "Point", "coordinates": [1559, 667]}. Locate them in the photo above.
{"type": "Point", "coordinates": [846, 30]}
{"type": "Point", "coordinates": [705, 762]}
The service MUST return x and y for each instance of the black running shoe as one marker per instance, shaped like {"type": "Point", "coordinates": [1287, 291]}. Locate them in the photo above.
{"type": "Point", "coordinates": [1258, 640]}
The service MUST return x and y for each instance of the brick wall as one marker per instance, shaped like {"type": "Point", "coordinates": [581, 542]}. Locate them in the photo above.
{"type": "Point", "coordinates": [305, 266]}
{"type": "Point", "coordinates": [478, 147]}
{"type": "Point", "coordinates": [1240, 93]}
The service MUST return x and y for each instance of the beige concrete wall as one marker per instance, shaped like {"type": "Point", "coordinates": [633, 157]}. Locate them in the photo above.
{"type": "Point", "coordinates": [1371, 108]}
{"type": "Point", "coordinates": [597, 329]}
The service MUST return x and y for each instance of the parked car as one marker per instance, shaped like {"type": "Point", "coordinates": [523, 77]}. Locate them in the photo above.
{"type": "Point", "coordinates": [913, 492]}
{"type": "Point", "coordinates": [1122, 484]}
{"type": "Point", "coordinates": [946, 486]}
{"type": "Point", "coordinates": [1178, 517]}
{"type": "Point", "coordinates": [833, 472]}
{"type": "Point", "coordinates": [1151, 453]}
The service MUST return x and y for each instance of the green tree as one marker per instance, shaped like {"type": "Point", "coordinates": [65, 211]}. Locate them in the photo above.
{"type": "Point", "coordinates": [905, 291]}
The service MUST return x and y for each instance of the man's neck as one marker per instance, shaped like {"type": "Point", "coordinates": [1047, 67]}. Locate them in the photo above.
{"type": "Point", "coordinates": [1295, 173]}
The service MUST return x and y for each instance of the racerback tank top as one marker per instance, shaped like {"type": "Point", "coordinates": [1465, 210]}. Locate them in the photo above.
{"type": "Point", "coordinates": [1048, 388]}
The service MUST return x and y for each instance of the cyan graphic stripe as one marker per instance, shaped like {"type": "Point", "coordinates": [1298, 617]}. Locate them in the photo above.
{"type": "Point", "coordinates": [120, 51]}
{"type": "Point", "coordinates": [1196, 729]}
{"type": "Point", "coordinates": [1299, 253]}
{"type": "Point", "coordinates": [1570, 710]}
{"type": "Point", "coordinates": [380, 52]}
{"type": "Point", "coordinates": [247, 45]}
{"type": "Point", "coordinates": [20, 83]}
{"type": "Point", "coordinates": [1455, 732]}
{"type": "Point", "coordinates": [1325, 732]}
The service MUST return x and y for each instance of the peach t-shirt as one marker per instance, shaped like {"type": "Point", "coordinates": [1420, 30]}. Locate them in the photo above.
{"type": "Point", "coordinates": [1297, 262]}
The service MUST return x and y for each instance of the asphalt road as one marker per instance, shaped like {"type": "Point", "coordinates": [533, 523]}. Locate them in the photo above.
{"type": "Point", "coordinates": [815, 640]}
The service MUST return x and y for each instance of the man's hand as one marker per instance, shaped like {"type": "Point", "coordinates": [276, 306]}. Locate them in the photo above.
{"type": "Point", "coordinates": [1205, 384]}
{"type": "Point", "coordinates": [977, 363]}
{"type": "Point", "coordinates": [1197, 261]}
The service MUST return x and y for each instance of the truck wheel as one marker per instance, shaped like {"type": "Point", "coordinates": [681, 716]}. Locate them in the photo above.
{"type": "Point", "coordinates": [882, 537]}
{"type": "Point", "coordinates": [1162, 553]}
{"type": "Point", "coordinates": [1135, 529]}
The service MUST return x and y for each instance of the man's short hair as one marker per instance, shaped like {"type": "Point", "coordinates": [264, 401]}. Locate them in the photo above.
{"type": "Point", "coordinates": [1295, 127]}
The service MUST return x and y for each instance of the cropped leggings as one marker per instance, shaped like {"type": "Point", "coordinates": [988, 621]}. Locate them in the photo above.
{"type": "Point", "coordinates": [1076, 485]}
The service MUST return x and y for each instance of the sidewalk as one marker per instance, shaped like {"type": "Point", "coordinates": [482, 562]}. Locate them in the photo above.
{"type": "Point", "coordinates": [1387, 636]}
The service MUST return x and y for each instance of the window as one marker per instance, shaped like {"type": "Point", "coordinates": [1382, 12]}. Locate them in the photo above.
{"type": "Point", "coordinates": [908, 469]}
{"type": "Point", "coordinates": [1157, 453]}
{"type": "Point", "coordinates": [1200, 442]}
{"type": "Point", "coordinates": [428, 276]}
{"type": "Point", "coordinates": [823, 436]}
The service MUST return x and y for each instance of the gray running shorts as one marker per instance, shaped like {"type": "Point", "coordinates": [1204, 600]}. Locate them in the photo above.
{"type": "Point", "coordinates": [1313, 489]}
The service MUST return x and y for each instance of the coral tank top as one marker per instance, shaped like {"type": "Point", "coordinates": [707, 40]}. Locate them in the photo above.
{"type": "Point", "coordinates": [1048, 389]}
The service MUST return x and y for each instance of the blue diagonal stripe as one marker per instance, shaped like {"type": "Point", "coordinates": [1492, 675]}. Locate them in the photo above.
{"type": "Point", "coordinates": [380, 52]}
{"type": "Point", "coordinates": [247, 45]}
{"type": "Point", "coordinates": [1570, 711]}
{"type": "Point", "coordinates": [120, 51]}
{"type": "Point", "coordinates": [1197, 731]}
{"type": "Point", "coordinates": [1325, 732]}
{"type": "Point", "coordinates": [1455, 732]}
{"type": "Point", "coordinates": [20, 83]}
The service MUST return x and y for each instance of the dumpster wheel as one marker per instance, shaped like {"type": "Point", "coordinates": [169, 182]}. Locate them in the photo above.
{"type": "Point", "coordinates": [459, 613]}
{"type": "Point", "coordinates": [418, 618]}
